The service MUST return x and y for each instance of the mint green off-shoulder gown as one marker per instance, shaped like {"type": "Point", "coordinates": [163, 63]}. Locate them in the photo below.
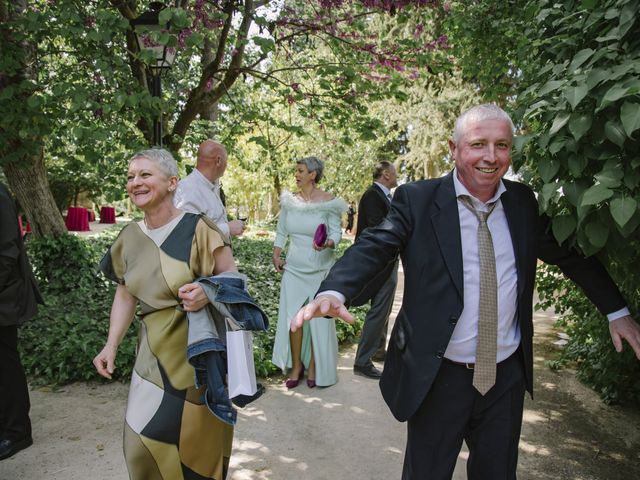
{"type": "Point", "coordinates": [304, 270]}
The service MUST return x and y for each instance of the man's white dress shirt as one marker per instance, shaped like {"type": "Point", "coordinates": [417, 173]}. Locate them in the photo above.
{"type": "Point", "coordinates": [385, 190]}
{"type": "Point", "coordinates": [462, 346]}
{"type": "Point", "coordinates": [196, 194]}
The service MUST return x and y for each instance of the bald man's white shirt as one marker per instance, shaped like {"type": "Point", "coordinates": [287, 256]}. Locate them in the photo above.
{"type": "Point", "coordinates": [196, 194]}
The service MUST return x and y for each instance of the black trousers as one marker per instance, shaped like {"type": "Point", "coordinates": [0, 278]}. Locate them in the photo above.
{"type": "Point", "coordinates": [454, 411]}
{"type": "Point", "coordinates": [374, 331]}
{"type": "Point", "coordinates": [14, 392]}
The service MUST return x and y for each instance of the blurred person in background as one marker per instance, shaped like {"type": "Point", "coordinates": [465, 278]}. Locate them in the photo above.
{"type": "Point", "coordinates": [200, 191]}
{"type": "Point", "coordinates": [19, 296]}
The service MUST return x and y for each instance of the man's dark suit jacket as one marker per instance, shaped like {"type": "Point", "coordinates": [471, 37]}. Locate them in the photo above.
{"type": "Point", "coordinates": [372, 208]}
{"type": "Point", "coordinates": [423, 227]}
{"type": "Point", "coordinates": [19, 293]}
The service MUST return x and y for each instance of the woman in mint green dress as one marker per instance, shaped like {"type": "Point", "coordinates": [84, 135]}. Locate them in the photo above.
{"type": "Point", "coordinates": [315, 347]}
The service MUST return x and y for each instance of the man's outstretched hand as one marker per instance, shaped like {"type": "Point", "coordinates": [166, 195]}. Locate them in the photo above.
{"type": "Point", "coordinates": [321, 306]}
{"type": "Point", "coordinates": [625, 328]}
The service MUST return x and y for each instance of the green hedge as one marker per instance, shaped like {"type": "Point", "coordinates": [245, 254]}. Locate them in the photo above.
{"type": "Point", "coordinates": [59, 344]}
{"type": "Point", "coordinates": [615, 376]}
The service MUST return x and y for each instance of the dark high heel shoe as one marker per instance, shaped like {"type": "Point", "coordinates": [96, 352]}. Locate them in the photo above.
{"type": "Point", "coordinates": [311, 383]}
{"type": "Point", "coordinates": [293, 382]}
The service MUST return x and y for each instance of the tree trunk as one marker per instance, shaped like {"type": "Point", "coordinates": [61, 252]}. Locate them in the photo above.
{"type": "Point", "coordinates": [211, 111]}
{"type": "Point", "coordinates": [28, 181]}
{"type": "Point", "coordinates": [277, 187]}
{"type": "Point", "coordinates": [211, 114]}
{"type": "Point", "coordinates": [26, 175]}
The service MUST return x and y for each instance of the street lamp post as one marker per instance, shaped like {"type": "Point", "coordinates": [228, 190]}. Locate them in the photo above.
{"type": "Point", "coordinates": [147, 27]}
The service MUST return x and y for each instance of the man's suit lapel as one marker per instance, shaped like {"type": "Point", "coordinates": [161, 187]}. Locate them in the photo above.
{"type": "Point", "coordinates": [381, 194]}
{"type": "Point", "coordinates": [446, 224]}
{"type": "Point", "coordinates": [519, 229]}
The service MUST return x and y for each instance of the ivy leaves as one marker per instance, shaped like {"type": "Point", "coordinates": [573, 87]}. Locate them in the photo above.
{"type": "Point", "coordinates": [623, 209]}
{"type": "Point", "coordinates": [583, 114]}
{"type": "Point", "coordinates": [630, 117]}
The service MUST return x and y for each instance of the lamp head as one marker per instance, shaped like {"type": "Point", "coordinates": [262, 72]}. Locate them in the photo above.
{"type": "Point", "coordinates": [147, 29]}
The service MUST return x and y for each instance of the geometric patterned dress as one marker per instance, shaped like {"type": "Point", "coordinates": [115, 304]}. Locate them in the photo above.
{"type": "Point", "coordinates": [169, 433]}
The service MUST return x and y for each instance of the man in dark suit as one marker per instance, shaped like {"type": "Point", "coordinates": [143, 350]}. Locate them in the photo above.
{"type": "Point", "coordinates": [18, 298]}
{"type": "Point", "coordinates": [373, 207]}
{"type": "Point", "coordinates": [437, 372]}
{"type": "Point", "coordinates": [351, 213]}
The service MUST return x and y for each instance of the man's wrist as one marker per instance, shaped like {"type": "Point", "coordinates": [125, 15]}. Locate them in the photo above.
{"type": "Point", "coordinates": [623, 312]}
{"type": "Point", "coordinates": [333, 293]}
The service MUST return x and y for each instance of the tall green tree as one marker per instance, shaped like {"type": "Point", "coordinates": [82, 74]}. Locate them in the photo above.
{"type": "Point", "coordinates": [72, 74]}
{"type": "Point", "coordinates": [22, 127]}
{"type": "Point", "coordinates": [422, 123]}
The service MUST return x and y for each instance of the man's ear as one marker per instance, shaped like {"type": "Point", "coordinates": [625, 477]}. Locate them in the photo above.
{"type": "Point", "coordinates": [452, 147]}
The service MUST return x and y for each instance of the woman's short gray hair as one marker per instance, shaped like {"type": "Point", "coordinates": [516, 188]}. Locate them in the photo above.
{"type": "Point", "coordinates": [487, 111]}
{"type": "Point", "coordinates": [161, 157]}
{"type": "Point", "coordinates": [313, 164]}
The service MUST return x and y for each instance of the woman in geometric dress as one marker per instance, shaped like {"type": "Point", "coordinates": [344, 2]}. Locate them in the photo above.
{"type": "Point", "coordinates": [315, 346]}
{"type": "Point", "coordinates": [168, 433]}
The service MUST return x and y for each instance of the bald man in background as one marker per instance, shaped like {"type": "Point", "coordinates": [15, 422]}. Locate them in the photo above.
{"type": "Point", "coordinates": [199, 192]}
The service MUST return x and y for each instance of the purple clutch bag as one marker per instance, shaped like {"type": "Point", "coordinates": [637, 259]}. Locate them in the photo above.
{"type": "Point", "coordinates": [320, 237]}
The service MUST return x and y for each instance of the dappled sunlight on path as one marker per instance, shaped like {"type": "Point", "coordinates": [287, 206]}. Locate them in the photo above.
{"type": "Point", "coordinates": [344, 432]}
{"type": "Point", "coordinates": [568, 429]}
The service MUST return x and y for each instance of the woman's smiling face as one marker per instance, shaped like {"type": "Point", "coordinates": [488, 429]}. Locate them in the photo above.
{"type": "Point", "coordinates": [147, 185]}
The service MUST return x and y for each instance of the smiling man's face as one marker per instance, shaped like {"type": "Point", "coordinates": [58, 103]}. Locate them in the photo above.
{"type": "Point", "coordinates": [482, 156]}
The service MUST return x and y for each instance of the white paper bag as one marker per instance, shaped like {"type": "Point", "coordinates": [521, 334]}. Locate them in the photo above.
{"type": "Point", "coordinates": [241, 375]}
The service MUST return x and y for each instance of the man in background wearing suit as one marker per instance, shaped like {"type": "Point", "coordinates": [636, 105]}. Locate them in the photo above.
{"type": "Point", "coordinates": [19, 295]}
{"type": "Point", "coordinates": [373, 207]}
{"type": "Point", "coordinates": [460, 356]}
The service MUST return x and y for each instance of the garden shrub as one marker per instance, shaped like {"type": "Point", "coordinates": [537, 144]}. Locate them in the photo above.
{"type": "Point", "coordinates": [59, 344]}
{"type": "Point", "coordinates": [615, 376]}
{"type": "Point", "coordinates": [577, 105]}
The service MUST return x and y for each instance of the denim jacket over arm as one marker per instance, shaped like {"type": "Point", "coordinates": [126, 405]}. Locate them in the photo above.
{"type": "Point", "coordinates": [230, 307]}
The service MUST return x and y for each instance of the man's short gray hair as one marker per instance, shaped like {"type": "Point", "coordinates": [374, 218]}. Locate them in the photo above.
{"type": "Point", "coordinates": [313, 164]}
{"type": "Point", "coordinates": [486, 111]}
{"type": "Point", "coordinates": [381, 167]}
{"type": "Point", "coordinates": [161, 157]}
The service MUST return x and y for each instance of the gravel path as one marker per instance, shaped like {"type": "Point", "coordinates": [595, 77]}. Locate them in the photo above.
{"type": "Point", "coordinates": [339, 433]}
